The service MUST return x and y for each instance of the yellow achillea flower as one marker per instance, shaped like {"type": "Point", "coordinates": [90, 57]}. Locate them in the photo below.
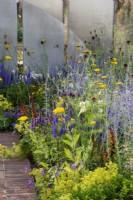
{"type": "Point", "coordinates": [104, 77]}
{"type": "Point", "coordinates": [114, 62]}
{"type": "Point", "coordinates": [119, 83]}
{"type": "Point", "coordinates": [58, 110]}
{"type": "Point", "coordinates": [92, 123]}
{"type": "Point", "coordinates": [102, 86]}
{"type": "Point", "coordinates": [97, 70]}
{"type": "Point", "coordinates": [98, 74]}
{"type": "Point", "coordinates": [23, 118]}
{"type": "Point", "coordinates": [79, 61]}
{"type": "Point", "coordinates": [93, 65]}
{"type": "Point", "coordinates": [8, 58]}
{"type": "Point", "coordinates": [1, 79]}
{"type": "Point", "coordinates": [100, 83]}
{"type": "Point", "coordinates": [72, 119]}
{"type": "Point", "coordinates": [7, 46]}
{"type": "Point", "coordinates": [86, 51]}
{"type": "Point", "coordinates": [78, 45]}
{"type": "Point", "coordinates": [33, 86]}
{"type": "Point", "coordinates": [61, 119]}
{"type": "Point", "coordinates": [114, 59]}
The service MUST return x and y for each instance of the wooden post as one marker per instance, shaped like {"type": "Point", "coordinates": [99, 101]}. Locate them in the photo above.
{"type": "Point", "coordinates": [66, 28]}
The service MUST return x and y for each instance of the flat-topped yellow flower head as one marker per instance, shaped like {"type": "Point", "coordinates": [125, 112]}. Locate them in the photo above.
{"type": "Point", "coordinates": [23, 118]}
{"type": "Point", "coordinates": [97, 70]}
{"type": "Point", "coordinates": [8, 58]}
{"type": "Point", "coordinates": [92, 123]}
{"type": "Point", "coordinates": [114, 62]}
{"type": "Point", "coordinates": [119, 83]}
{"type": "Point", "coordinates": [58, 110]}
{"type": "Point", "coordinates": [104, 77]}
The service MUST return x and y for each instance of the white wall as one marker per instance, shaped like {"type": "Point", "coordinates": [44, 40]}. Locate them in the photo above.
{"type": "Point", "coordinates": [8, 26]}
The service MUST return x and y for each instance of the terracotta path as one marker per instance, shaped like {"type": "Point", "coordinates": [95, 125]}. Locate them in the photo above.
{"type": "Point", "coordinates": [14, 183]}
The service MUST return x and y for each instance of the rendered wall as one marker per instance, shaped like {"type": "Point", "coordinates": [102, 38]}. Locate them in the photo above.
{"type": "Point", "coordinates": [8, 31]}
{"type": "Point", "coordinates": [42, 19]}
{"type": "Point", "coordinates": [85, 16]}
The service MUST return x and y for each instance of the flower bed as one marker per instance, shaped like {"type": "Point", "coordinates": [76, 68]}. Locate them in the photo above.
{"type": "Point", "coordinates": [76, 126]}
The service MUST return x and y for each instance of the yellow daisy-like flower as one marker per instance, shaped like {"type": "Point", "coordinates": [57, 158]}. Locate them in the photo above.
{"type": "Point", "coordinates": [97, 70]}
{"type": "Point", "coordinates": [119, 83]}
{"type": "Point", "coordinates": [93, 65]}
{"type": "Point", "coordinates": [1, 79]}
{"type": "Point", "coordinates": [92, 123]}
{"type": "Point", "coordinates": [58, 110]}
{"type": "Point", "coordinates": [8, 58]}
{"type": "Point", "coordinates": [114, 62]}
{"type": "Point", "coordinates": [104, 77]}
{"type": "Point", "coordinates": [23, 118]}
{"type": "Point", "coordinates": [86, 51]}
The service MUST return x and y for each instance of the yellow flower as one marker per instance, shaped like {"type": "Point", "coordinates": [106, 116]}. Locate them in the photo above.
{"type": "Point", "coordinates": [104, 77]}
{"type": "Point", "coordinates": [8, 58]}
{"type": "Point", "coordinates": [79, 61]}
{"type": "Point", "coordinates": [114, 59]}
{"type": "Point", "coordinates": [1, 79]}
{"type": "Point", "coordinates": [100, 83]}
{"type": "Point", "coordinates": [86, 51]}
{"type": "Point", "coordinates": [119, 83]}
{"type": "Point", "coordinates": [7, 46]}
{"type": "Point", "coordinates": [23, 118]}
{"type": "Point", "coordinates": [33, 86]}
{"type": "Point", "coordinates": [92, 123]}
{"type": "Point", "coordinates": [98, 74]}
{"type": "Point", "coordinates": [93, 65]}
{"type": "Point", "coordinates": [58, 110]}
{"type": "Point", "coordinates": [78, 45]}
{"type": "Point", "coordinates": [61, 119]}
{"type": "Point", "coordinates": [72, 119]}
{"type": "Point", "coordinates": [97, 70]}
{"type": "Point", "coordinates": [114, 62]}
{"type": "Point", "coordinates": [102, 86]}
{"type": "Point", "coordinates": [78, 48]}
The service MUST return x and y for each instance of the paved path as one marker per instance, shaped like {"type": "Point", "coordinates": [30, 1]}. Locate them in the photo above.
{"type": "Point", "coordinates": [14, 183]}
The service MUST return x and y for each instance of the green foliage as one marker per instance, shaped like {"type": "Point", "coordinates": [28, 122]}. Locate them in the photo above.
{"type": "Point", "coordinates": [5, 105]}
{"type": "Point", "coordinates": [74, 183]}
{"type": "Point", "coordinates": [10, 152]}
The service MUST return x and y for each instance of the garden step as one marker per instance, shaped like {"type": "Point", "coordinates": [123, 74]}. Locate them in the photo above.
{"type": "Point", "coordinates": [13, 180]}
